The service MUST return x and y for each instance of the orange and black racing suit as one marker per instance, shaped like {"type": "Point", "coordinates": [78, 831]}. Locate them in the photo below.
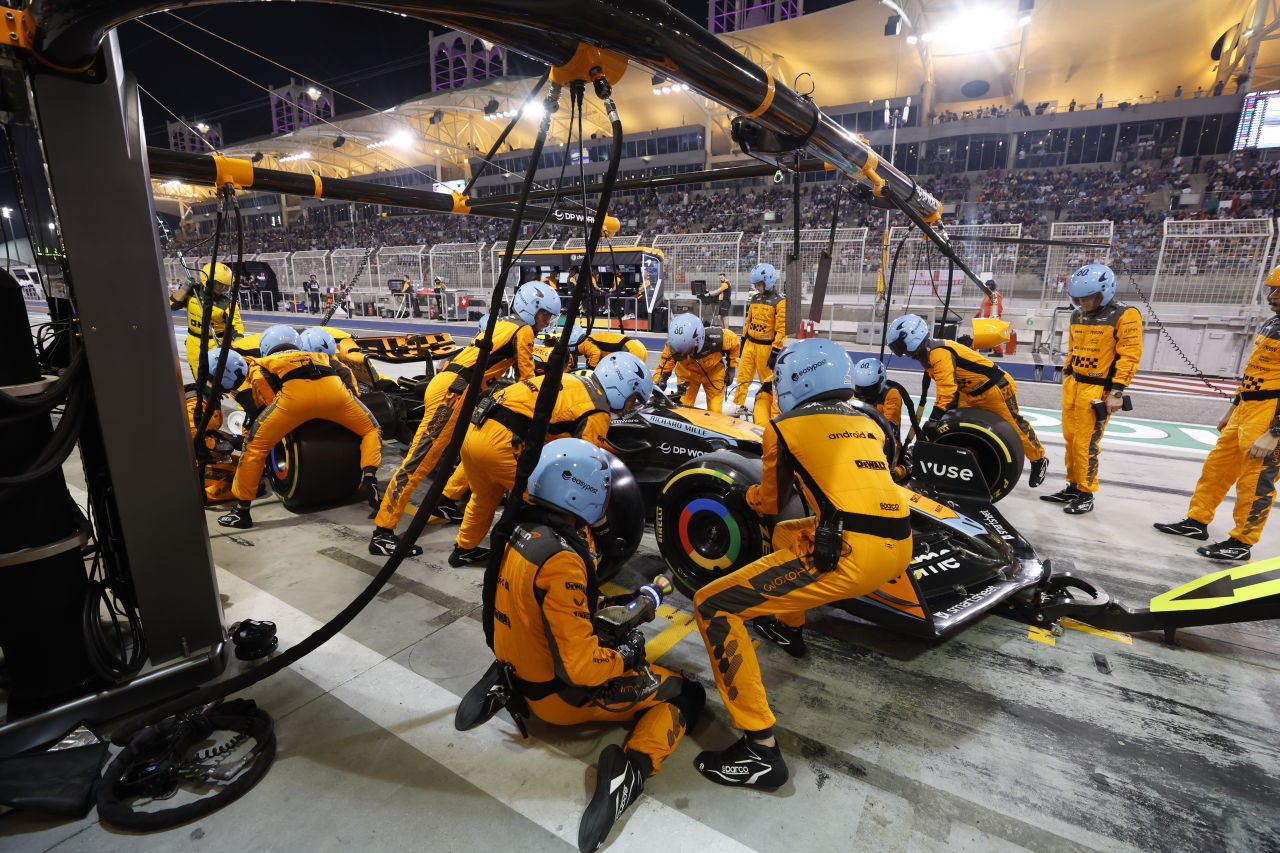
{"type": "Point", "coordinates": [220, 468]}
{"type": "Point", "coordinates": [764, 332]}
{"type": "Point", "coordinates": [597, 345]}
{"type": "Point", "coordinates": [888, 402]}
{"type": "Point", "coordinates": [542, 627]}
{"type": "Point", "coordinates": [1102, 356]}
{"type": "Point", "coordinates": [966, 378]}
{"type": "Point", "coordinates": [704, 369]}
{"type": "Point", "coordinates": [491, 449]}
{"type": "Point", "coordinates": [306, 386]}
{"type": "Point", "coordinates": [859, 540]}
{"type": "Point", "coordinates": [1255, 410]}
{"type": "Point", "coordinates": [512, 344]}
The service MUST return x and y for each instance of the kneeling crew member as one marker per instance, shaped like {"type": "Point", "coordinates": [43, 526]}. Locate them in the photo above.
{"type": "Point", "coordinates": [534, 307]}
{"type": "Point", "coordinates": [1246, 454]}
{"type": "Point", "coordinates": [702, 358]}
{"type": "Point", "coordinates": [491, 449]}
{"type": "Point", "coordinates": [1103, 351]}
{"type": "Point", "coordinates": [764, 331]}
{"type": "Point", "coordinates": [599, 344]}
{"type": "Point", "coordinates": [307, 387]}
{"type": "Point", "coordinates": [218, 471]}
{"type": "Point", "coordinates": [966, 378]}
{"type": "Point", "coordinates": [542, 627]}
{"type": "Point", "coordinates": [871, 385]}
{"type": "Point", "coordinates": [858, 541]}
{"type": "Point", "coordinates": [216, 280]}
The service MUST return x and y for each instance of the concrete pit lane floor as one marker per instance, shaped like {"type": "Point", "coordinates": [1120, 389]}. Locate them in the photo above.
{"type": "Point", "coordinates": [1000, 738]}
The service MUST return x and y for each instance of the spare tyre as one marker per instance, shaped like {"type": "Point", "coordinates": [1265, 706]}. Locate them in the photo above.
{"type": "Point", "coordinates": [315, 465]}
{"type": "Point", "coordinates": [700, 536]}
{"type": "Point", "coordinates": [992, 440]}
{"type": "Point", "coordinates": [619, 534]}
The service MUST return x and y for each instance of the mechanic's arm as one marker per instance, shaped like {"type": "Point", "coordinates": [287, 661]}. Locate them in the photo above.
{"type": "Point", "coordinates": [891, 408]}
{"type": "Point", "coordinates": [236, 322]}
{"type": "Point", "coordinates": [779, 331]}
{"type": "Point", "coordinates": [566, 618]}
{"type": "Point", "coordinates": [588, 350]}
{"type": "Point", "coordinates": [1128, 348]}
{"type": "Point", "coordinates": [732, 348]}
{"type": "Point", "coordinates": [178, 299]}
{"type": "Point", "coordinates": [775, 481]}
{"type": "Point", "coordinates": [524, 352]}
{"type": "Point", "coordinates": [593, 428]}
{"type": "Point", "coordinates": [941, 368]}
{"type": "Point", "coordinates": [666, 364]}
{"type": "Point", "coordinates": [348, 378]}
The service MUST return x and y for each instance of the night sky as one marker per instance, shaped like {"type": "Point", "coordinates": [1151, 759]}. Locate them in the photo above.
{"type": "Point", "coordinates": [379, 59]}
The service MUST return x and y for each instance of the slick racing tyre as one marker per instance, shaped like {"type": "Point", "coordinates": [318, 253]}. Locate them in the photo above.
{"type": "Point", "coordinates": [384, 411]}
{"type": "Point", "coordinates": [318, 464]}
{"type": "Point", "coordinates": [618, 535]}
{"type": "Point", "coordinates": [993, 442]}
{"type": "Point", "coordinates": [701, 536]}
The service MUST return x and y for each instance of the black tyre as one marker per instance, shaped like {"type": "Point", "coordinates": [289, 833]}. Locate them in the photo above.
{"type": "Point", "coordinates": [993, 442]}
{"type": "Point", "coordinates": [620, 534]}
{"type": "Point", "coordinates": [699, 536]}
{"type": "Point", "coordinates": [318, 464]}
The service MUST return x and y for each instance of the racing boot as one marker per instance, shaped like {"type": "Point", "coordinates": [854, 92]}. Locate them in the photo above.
{"type": "Point", "coordinates": [383, 543]}
{"type": "Point", "coordinates": [1228, 549]}
{"type": "Point", "coordinates": [447, 512]}
{"type": "Point", "coordinates": [619, 781]}
{"type": "Point", "coordinates": [238, 518]}
{"type": "Point", "coordinates": [462, 556]}
{"type": "Point", "coordinates": [790, 640]}
{"type": "Point", "coordinates": [1080, 504]}
{"type": "Point", "coordinates": [1065, 496]}
{"type": "Point", "coordinates": [1188, 527]}
{"type": "Point", "coordinates": [1039, 469]}
{"type": "Point", "coordinates": [745, 764]}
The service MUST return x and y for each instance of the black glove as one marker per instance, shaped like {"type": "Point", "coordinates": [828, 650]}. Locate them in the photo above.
{"type": "Point", "coordinates": [682, 389]}
{"type": "Point", "coordinates": [730, 374]}
{"type": "Point", "coordinates": [369, 488]}
{"type": "Point", "coordinates": [929, 429]}
{"type": "Point", "coordinates": [632, 650]}
{"type": "Point", "coordinates": [662, 382]}
{"type": "Point", "coordinates": [773, 358]}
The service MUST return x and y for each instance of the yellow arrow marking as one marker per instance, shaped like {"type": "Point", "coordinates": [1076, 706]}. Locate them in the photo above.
{"type": "Point", "coordinates": [1041, 635]}
{"type": "Point", "coordinates": [1098, 632]}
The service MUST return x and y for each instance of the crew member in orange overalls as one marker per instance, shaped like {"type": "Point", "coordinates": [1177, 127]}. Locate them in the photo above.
{"type": "Point", "coordinates": [702, 358]}
{"type": "Point", "coordinates": [858, 540]}
{"type": "Point", "coordinates": [764, 330]}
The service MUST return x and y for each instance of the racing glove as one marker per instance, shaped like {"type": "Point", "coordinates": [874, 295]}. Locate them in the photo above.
{"type": "Point", "coordinates": [773, 358]}
{"type": "Point", "coordinates": [730, 374]}
{"type": "Point", "coordinates": [369, 488]}
{"type": "Point", "coordinates": [631, 650]}
{"type": "Point", "coordinates": [662, 381]}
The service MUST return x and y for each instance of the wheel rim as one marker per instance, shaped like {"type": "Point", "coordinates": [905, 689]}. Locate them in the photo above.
{"type": "Point", "coordinates": [710, 535]}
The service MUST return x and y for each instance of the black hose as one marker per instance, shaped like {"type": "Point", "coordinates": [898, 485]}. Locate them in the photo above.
{"type": "Point", "coordinates": [888, 293]}
{"type": "Point", "coordinates": [39, 404]}
{"type": "Point", "coordinates": [228, 329]}
{"type": "Point", "coordinates": [61, 443]}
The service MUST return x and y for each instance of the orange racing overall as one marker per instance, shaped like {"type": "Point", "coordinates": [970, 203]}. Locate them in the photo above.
{"type": "Point", "coordinates": [512, 344]}
{"type": "Point", "coordinates": [764, 332]}
{"type": "Point", "coordinates": [1255, 410]}
{"type": "Point", "coordinates": [704, 369]}
{"type": "Point", "coordinates": [597, 345]}
{"type": "Point", "coordinates": [1102, 356]}
{"type": "Point", "coordinates": [220, 469]}
{"type": "Point", "coordinates": [838, 455]}
{"type": "Point", "coordinates": [542, 627]}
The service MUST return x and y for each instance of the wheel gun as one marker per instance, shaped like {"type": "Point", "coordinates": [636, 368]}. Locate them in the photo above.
{"type": "Point", "coordinates": [625, 613]}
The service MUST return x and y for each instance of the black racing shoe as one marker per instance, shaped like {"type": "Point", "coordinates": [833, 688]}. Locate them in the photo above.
{"type": "Point", "coordinates": [447, 512]}
{"type": "Point", "coordinates": [1080, 504]}
{"type": "Point", "coordinates": [238, 518]}
{"type": "Point", "coordinates": [1039, 470]}
{"type": "Point", "coordinates": [1065, 496]}
{"type": "Point", "coordinates": [1188, 527]}
{"type": "Point", "coordinates": [1228, 549]}
{"type": "Point", "coordinates": [383, 543]}
{"type": "Point", "coordinates": [618, 785]}
{"type": "Point", "coordinates": [462, 556]}
{"type": "Point", "coordinates": [790, 640]}
{"type": "Point", "coordinates": [745, 764]}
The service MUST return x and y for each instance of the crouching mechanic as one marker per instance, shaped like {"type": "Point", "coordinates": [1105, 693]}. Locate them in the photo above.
{"type": "Point", "coordinates": [871, 385]}
{"type": "Point", "coordinates": [1103, 350]}
{"type": "Point", "coordinates": [702, 358]}
{"type": "Point", "coordinates": [764, 330]}
{"type": "Point", "coordinates": [966, 378]}
{"type": "Point", "coordinates": [492, 447]}
{"type": "Point", "coordinates": [599, 344]}
{"type": "Point", "coordinates": [1246, 454]}
{"type": "Point", "coordinates": [542, 628]}
{"type": "Point", "coordinates": [534, 307]}
{"type": "Point", "coordinates": [218, 470]}
{"type": "Point", "coordinates": [859, 540]}
{"type": "Point", "coordinates": [306, 387]}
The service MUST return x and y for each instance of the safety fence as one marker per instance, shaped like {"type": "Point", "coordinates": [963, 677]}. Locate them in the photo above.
{"type": "Point", "coordinates": [1212, 261]}
{"type": "Point", "coordinates": [848, 257]}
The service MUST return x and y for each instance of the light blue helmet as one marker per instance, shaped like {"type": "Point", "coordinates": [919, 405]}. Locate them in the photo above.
{"type": "Point", "coordinates": [572, 475]}
{"type": "Point", "coordinates": [532, 297]}
{"type": "Point", "coordinates": [868, 377]}
{"type": "Point", "coordinates": [551, 336]}
{"type": "Point", "coordinates": [1091, 279]}
{"type": "Point", "coordinates": [318, 339]}
{"type": "Point", "coordinates": [686, 334]}
{"type": "Point", "coordinates": [625, 380]}
{"type": "Point", "coordinates": [576, 334]}
{"type": "Point", "coordinates": [766, 273]}
{"type": "Point", "coordinates": [234, 372]}
{"type": "Point", "coordinates": [906, 334]}
{"type": "Point", "coordinates": [808, 368]}
{"type": "Point", "coordinates": [484, 322]}
{"type": "Point", "coordinates": [278, 336]}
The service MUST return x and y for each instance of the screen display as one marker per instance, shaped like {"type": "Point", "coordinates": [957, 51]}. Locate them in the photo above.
{"type": "Point", "coordinates": [1259, 121]}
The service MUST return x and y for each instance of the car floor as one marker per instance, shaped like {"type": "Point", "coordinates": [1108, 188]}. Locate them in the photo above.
{"type": "Point", "coordinates": [1000, 738]}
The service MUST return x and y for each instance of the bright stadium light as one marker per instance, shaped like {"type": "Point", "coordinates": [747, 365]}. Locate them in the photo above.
{"type": "Point", "coordinates": [6, 212]}
{"type": "Point", "coordinates": [534, 109]}
{"type": "Point", "coordinates": [401, 140]}
{"type": "Point", "coordinates": [202, 127]}
{"type": "Point", "coordinates": [976, 29]}
{"type": "Point", "coordinates": [301, 155]}
{"type": "Point", "coordinates": [313, 93]}
{"type": "Point", "coordinates": [169, 185]}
